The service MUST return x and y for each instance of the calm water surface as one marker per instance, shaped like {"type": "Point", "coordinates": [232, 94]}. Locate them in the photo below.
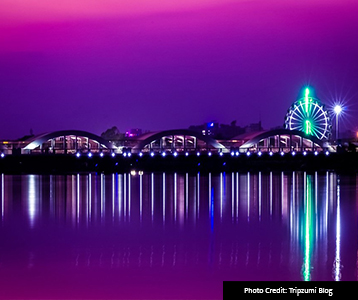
{"type": "Point", "coordinates": [172, 236]}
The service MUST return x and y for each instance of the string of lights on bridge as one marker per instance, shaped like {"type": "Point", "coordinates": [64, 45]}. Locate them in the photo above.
{"type": "Point", "coordinates": [128, 154]}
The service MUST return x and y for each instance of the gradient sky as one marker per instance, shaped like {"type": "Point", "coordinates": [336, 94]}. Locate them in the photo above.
{"type": "Point", "coordinates": [91, 65]}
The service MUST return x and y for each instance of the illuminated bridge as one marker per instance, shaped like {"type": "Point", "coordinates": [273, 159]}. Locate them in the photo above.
{"type": "Point", "coordinates": [76, 151]}
{"type": "Point", "coordinates": [67, 142]}
{"type": "Point", "coordinates": [176, 142]}
{"type": "Point", "coordinates": [279, 140]}
{"type": "Point", "coordinates": [180, 140]}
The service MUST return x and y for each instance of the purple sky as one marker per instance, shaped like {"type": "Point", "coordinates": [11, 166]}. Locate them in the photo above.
{"type": "Point", "coordinates": [159, 66]}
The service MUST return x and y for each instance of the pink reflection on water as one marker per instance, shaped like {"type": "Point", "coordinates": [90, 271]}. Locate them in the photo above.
{"type": "Point", "coordinates": [158, 236]}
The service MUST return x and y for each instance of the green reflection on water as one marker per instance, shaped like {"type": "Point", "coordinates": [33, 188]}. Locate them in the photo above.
{"type": "Point", "coordinates": [308, 227]}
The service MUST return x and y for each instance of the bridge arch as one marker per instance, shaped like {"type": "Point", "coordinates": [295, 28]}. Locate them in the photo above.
{"type": "Point", "coordinates": [177, 140]}
{"type": "Point", "coordinates": [281, 140]}
{"type": "Point", "coordinates": [67, 141]}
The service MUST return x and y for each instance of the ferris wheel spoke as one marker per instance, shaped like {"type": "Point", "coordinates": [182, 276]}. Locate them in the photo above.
{"type": "Point", "coordinates": [320, 125]}
{"type": "Point", "coordinates": [320, 133]}
{"type": "Point", "coordinates": [295, 119]}
{"type": "Point", "coordinates": [315, 111]}
{"type": "Point", "coordinates": [315, 115]}
{"type": "Point", "coordinates": [320, 130]}
{"type": "Point", "coordinates": [315, 131]}
{"type": "Point", "coordinates": [323, 115]}
{"type": "Point", "coordinates": [296, 127]}
{"type": "Point", "coordinates": [301, 111]}
{"type": "Point", "coordinates": [299, 114]}
{"type": "Point", "coordinates": [321, 122]}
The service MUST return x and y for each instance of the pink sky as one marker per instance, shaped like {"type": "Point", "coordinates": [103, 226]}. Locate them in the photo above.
{"type": "Point", "coordinates": [18, 11]}
{"type": "Point", "coordinates": [80, 65]}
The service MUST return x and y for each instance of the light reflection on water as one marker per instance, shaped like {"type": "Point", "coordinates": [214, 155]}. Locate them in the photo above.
{"type": "Point", "coordinates": [176, 227]}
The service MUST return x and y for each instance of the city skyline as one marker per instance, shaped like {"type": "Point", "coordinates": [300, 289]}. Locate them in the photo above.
{"type": "Point", "coordinates": [156, 66]}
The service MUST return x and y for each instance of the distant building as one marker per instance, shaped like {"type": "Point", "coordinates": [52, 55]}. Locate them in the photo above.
{"type": "Point", "coordinates": [133, 132]}
{"type": "Point", "coordinates": [225, 131]}
{"type": "Point", "coordinates": [254, 127]}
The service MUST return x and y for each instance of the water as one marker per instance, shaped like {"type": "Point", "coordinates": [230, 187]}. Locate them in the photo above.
{"type": "Point", "coordinates": [172, 236]}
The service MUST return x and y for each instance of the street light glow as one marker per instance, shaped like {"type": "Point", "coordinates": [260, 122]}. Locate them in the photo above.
{"type": "Point", "coordinates": [337, 109]}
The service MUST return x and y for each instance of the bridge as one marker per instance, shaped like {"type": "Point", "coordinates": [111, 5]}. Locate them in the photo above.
{"type": "Point", "coordinates": [66, 142]}
{"type": "Point", "coordinates": [175, 142]}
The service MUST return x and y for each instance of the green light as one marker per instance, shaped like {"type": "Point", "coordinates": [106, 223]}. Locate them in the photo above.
{"type": "Point", "coordinates": [309, 222]}
{"type": "Point", "coordinates": [306, 99]}
{"type": "Point", "coordinates": [308, 127]}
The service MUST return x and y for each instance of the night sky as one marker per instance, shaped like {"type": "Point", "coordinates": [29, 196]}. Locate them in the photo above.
{"type": "Point", "coordinates": [91, 65]}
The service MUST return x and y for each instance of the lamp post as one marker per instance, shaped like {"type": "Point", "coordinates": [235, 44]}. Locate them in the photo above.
{"type": "Point", "coordinates": [337, 110]}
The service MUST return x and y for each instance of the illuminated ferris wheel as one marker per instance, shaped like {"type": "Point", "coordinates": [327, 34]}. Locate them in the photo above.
{"type": "Point", "coordinates": [310, 116]}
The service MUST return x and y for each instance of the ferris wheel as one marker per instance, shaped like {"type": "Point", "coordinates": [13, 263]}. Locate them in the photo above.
{"type": "Point", "coordinates": [310, 116]}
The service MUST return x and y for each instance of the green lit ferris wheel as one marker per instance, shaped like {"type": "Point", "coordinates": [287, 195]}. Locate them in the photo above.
{"type": "Point", "coordinates": [310, 116]}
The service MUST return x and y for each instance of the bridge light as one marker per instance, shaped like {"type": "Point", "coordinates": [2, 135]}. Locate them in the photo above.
{"type": "Point", "coordinates": [198, 153]}
{"type": "Point", "coordinates": [175, 154]}
{"type": "Point", "coordinates": [89, 154]}
{"type": "Point", "coordinates": [327, 152]}
{"type": "Point", "coordinates": [248, 153]}
{"type": "Point", "coordinates": [304, 153]}
{"type": "Point", "coordinates": [237, 153]}
{"type": "Point", "coordinates": [163, 154]}
{"type": "Point", "coordinates": [140, 154]}
{"type": "Point", "coordinates": [113, 154]}
{"type": "Point", "coordinates": [186, 154]}
{"type": "Point", "coordinates": [124, 154]}
{"type": "Point", "coordinates": [2, 155]}
{"type": "Point", "coordinates": [271, 153]}
{"type": "Point", "coordinates": [101, 154]}
{"type": "Point", "coordinates": [232, 153]}
{"type": "Point", "coordinates": [221, 154]}
{"type": "Point", "coordinates": [78, 154]}
{"type": "Point", "coordinates": [316, 153]}
{"type": "Point", "coordinates": [209, 154]}
{"type": "Point", "coordinates": [129, 154]}
{"type": "Point", "coordinates": [282, 153]}
{"type": "Point", "coordinates": [151, 154]}
{"type": "Point", "coordinates": [293, 153]}
{"type": "Point", "coordinates": [260, 153]}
